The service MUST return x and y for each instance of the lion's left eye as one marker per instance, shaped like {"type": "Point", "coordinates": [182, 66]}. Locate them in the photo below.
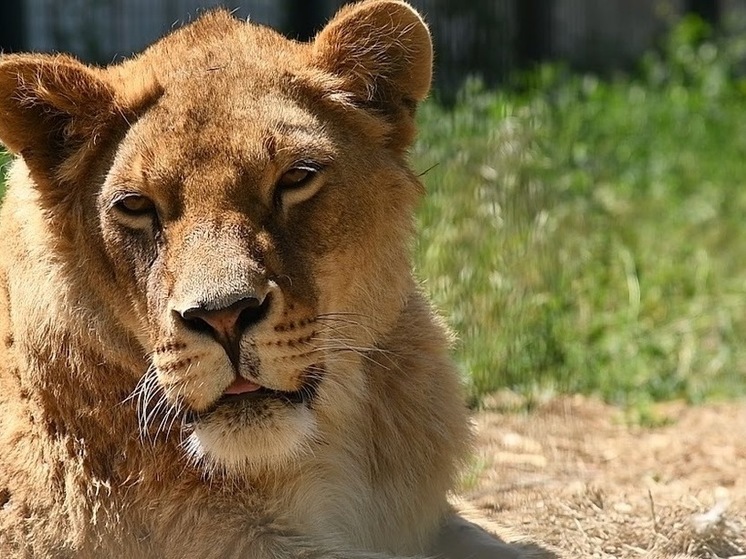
{"type": "Point", "coordinates": [297, 184]}
{"type": "Point", "coordinates": [297, 177]}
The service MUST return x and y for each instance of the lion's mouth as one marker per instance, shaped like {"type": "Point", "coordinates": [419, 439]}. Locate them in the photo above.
{"type": "Point", "coordinates": [242, 386]}
{"type": "Point", "coordinates": [243, 392]}
{"type": "Point", "coordinates": [301, 396]}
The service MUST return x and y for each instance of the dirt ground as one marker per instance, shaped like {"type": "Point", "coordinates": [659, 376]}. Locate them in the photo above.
{"type": "Point", "coordinates": [575, 477]}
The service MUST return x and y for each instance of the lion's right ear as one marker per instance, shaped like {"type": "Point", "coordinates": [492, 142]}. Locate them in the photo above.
{"type": "Point", "coordinates": [51, 106]}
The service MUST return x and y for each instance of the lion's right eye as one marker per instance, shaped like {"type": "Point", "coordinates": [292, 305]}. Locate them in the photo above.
{"type": "Point", "coordinates": [135, 205]}
{"type": "Point", "coordinates": [135, 211]}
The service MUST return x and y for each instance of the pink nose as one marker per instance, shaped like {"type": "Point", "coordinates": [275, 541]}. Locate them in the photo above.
{"type": "Point", "coordinates": [227, 324]}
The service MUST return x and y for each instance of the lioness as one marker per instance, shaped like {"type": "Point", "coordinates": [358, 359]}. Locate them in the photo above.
{"type": "Point", "coordinates": [212, 342]}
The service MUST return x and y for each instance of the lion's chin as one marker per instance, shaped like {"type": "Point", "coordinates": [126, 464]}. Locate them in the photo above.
{"type": "Point", "coordinates": [236, 438]}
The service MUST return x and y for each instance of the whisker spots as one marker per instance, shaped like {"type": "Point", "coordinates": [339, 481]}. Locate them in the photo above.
{"type": "Point", "coordinates": [291, 326]}
{"type": "Point", "coordinates": [292, 342]}
{"type": "Point", "coordinates": [169, 346]}
{"type": "Point", "coordinates": [181, 363]}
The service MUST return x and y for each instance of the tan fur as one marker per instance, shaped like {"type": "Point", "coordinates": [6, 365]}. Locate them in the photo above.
{"type": "Point", "coordinates": [101, 378]}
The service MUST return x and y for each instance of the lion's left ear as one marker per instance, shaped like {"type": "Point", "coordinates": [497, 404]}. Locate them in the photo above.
{"type": "Point", "coordinates": [382, 52]}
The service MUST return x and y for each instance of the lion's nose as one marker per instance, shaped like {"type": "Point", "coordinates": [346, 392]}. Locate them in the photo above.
{"type": "Point", "coordinates": [226, 323]}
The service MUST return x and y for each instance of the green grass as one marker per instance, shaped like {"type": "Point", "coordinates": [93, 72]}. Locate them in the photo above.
{"type": "Point", "coordinates": [586, 235]}
{"type": "Point", "coordinates": [4, 160]}
{"type": "Point", "coordinates": [589, 236]}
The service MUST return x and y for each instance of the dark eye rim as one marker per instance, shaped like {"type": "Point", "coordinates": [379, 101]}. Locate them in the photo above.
{"type": "Point", "coordinates": [148, 210]}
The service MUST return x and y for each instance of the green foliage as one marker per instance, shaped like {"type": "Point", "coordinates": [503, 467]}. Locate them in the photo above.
{"type": "Point", "coordinates": [4, 161]}
{"type": "Point", "coordinates": [589, 235]}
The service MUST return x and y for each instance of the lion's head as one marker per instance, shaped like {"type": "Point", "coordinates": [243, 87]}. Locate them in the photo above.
{"type": "Point", "coordinates": [245, 203]}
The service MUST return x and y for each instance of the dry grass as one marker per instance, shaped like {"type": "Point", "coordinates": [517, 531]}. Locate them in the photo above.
{"type": "Point", "coordinates": [574, 476]}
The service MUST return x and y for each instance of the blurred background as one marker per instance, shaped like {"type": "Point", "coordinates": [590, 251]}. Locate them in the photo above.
{"type": "Point", "coordinates": [585, 163]}
{"type": "Point", "coordinates": [491, 38]}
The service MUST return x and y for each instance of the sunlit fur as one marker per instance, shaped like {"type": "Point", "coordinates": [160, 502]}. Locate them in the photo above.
{"type": "Point", "coordinates": [114, 439]}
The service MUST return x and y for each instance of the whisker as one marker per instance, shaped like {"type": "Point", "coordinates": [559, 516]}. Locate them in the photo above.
{"type": "Point", "coordinates": [371, 331]}
{"type": "Point", "coordinates": [364, 352]}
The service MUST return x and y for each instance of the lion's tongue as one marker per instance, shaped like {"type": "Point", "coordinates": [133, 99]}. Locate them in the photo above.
{"type": "Point", "coordinates": [241, 386]}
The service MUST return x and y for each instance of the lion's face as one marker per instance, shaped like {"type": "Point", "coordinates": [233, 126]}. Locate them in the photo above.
{"type": "Point", "coordinates": [257, 216]}
{"type": "Point", "coordinates": [241, 256]}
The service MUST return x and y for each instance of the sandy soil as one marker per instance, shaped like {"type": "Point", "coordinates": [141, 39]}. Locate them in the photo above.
{"type": "Point", "coordinates": [576, 477]}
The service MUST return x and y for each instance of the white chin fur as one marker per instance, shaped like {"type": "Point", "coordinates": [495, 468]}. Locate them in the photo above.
{"type": "Point", "coordinates": [219, 447]}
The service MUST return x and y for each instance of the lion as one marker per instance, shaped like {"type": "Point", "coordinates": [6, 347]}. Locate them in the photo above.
{"type": "Point", "coordinates": [213, 345]}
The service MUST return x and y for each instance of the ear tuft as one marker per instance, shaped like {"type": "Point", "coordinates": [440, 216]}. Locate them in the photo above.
{"type": "Point", "coordinates": [381, 49]}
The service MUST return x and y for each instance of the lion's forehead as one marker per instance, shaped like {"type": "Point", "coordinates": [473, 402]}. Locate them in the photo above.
{"type": "Point", "coordinates": [224, 122]}
{"type": "Point", "coordinates": [192, 147]}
